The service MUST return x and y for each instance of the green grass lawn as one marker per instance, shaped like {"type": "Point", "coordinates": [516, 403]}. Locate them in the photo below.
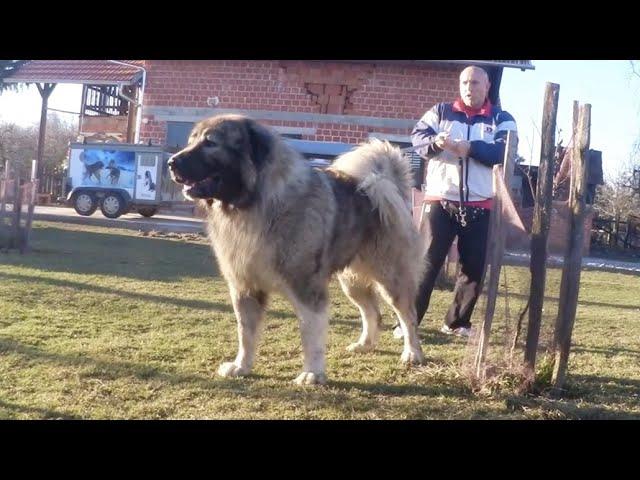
{"type": "Point", "coordinates": [100, 323]}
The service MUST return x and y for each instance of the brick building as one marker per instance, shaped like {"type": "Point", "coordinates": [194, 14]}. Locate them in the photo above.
{"type": "Point", "coordinates": [319, 101]}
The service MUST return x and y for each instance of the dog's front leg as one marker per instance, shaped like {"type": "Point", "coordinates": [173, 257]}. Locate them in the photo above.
{"type": "Point", "coordinates": [249, 310]}
{"type": "Point", "coordinates": [314, 323]}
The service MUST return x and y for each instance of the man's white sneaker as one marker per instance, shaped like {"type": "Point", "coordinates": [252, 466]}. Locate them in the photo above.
{"type": "Point", "coordinates": [458, 332]}
{"type": "Point", "coordinates": [397, 333]}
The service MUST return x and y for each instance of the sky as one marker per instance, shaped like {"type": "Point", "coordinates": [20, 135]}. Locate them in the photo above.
{"type": "Point", "coordinates": [608, 85]}
{"type": "Point", "coordinates": [23, 107]}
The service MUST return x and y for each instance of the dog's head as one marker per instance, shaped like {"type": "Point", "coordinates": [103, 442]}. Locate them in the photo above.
{"type": "Point", "coordinates": [223, 160]}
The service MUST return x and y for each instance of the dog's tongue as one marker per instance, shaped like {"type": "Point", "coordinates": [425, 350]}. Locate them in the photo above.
{"type": "Point", "coordinates": [203, 189]}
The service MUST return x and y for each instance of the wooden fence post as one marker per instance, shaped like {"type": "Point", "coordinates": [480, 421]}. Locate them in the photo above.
{"type": "Point", "coordinates": [495, 251]}
{"type": "Point", "coordinates": [32, 202]}
{"type": "Point", "coordinates": [15, 240]}
{"type": "Point", "coordinates": [540, 227]}
{"type": "Point", "coordinates": [570, 283]}
{"type": "Point", "coordinates": [5, 188]}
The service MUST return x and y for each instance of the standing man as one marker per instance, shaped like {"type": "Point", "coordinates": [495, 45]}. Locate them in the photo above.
{"type": "Point", "coordinates": [461, 141]}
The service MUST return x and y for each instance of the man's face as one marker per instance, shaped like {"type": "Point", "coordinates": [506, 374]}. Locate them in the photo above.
{"type": "Point", "coordinates": [474, 86]}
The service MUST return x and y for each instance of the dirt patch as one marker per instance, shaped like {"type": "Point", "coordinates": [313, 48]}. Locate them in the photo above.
{"type": "Point", "coordinates": [185, 237]}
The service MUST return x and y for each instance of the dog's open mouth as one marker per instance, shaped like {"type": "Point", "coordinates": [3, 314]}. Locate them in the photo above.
{"type": "Point", "coordinates": [205, 188]}
{"type": "Point", "coordinates": [176, 177]}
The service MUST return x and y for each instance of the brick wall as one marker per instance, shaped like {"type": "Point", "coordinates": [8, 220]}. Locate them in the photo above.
{"type": "Point", "coordinates": [383, 91]}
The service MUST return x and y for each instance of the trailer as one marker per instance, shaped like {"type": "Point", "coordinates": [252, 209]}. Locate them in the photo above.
{"type": "Point", "coordinates": [116, 177]}
{"type": "Point", "coordinates": [119, 177]}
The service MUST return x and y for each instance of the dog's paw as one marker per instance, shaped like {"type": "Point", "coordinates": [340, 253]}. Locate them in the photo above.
{"type": "Point", "coordinates": [359, 348]}
{"type": "Point", "coordinates": [230, 369]}
{"type": "Point", "coordinates": [412, 357]}
{"type": "Point", "coordinates": [310, 378]}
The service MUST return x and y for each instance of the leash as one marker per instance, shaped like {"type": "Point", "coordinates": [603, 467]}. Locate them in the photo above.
{"type": "Point", "coordinates": [462, 210]}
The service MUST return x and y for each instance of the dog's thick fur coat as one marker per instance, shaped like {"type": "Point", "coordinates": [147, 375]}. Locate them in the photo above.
{"type": "Point", "coordinates": [278, 225]}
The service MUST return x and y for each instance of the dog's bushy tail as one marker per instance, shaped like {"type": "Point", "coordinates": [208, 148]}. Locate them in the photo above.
{"type": "Point", "coordinates": [384, 175]}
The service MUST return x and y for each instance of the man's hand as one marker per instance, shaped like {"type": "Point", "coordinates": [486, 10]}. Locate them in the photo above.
{"type": "Point", "coordinates": [441, 140]}
{"type": "Point", "coordinates": [459, 148]}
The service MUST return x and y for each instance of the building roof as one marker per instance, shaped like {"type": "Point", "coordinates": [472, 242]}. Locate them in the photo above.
{"type": "Point", "coordinates": [521, 64]}
{"type": "Point", "coordinates": [93, 72]}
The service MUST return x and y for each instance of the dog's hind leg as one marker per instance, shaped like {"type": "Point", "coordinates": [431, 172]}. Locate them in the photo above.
{"type": "Point", "coordinates": [401, 298]}
{"type": "Point", "coordinates": [363, 296]}
{"type": "Point", "coordinates": [249, 310]}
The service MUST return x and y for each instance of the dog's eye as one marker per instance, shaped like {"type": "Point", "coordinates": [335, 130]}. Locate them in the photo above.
{"type": "Point", "coordinates": [209, 140]}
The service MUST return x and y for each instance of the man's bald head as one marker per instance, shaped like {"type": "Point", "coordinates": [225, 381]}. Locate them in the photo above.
{"type": "Point", "coordinates": [474, 86]}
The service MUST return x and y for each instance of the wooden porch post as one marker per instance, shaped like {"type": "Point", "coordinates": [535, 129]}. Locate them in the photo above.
{"type": "Point", "coordinates": [131, 92]}
{"type": "Point", "coordinates": [45, 90]}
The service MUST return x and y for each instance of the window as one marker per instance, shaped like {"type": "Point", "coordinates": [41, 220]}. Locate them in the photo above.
{"type": "Point", "coordinates": [178, 134]}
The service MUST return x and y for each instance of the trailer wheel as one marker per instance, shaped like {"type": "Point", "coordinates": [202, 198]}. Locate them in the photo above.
{"type": "Point", "coordinates": [84, 203]}
{"type": "Point", "coordinates": [113, 205]}
{"type": "Point", "coordinates": [147, 211]}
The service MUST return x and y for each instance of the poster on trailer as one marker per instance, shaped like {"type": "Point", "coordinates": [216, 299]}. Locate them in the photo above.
{"type": "Point", "coordinates": [102, 167]}
{"type": "Point", "coordinates": [146, 177]}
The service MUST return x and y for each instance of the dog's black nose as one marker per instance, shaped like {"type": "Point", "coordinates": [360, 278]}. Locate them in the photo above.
{"type": "Point", "coordinates": [172, 162]}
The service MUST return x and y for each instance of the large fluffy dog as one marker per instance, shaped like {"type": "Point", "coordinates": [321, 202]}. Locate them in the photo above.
{"type": "Point", "coordinates": [278, 225]}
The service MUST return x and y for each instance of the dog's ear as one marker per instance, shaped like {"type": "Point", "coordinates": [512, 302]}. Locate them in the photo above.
{"type": "Point", "coordinates": [260, 142]}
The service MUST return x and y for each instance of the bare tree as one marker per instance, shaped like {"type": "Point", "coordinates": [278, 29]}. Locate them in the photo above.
{"type": "Point", "coordinates": [635, 72]}
{"type": "Point", "coordinates": [7, 67]}
{"type": "Point", "coordinates": [618, 201]}
{"type": "Point", "coordinates": [634, 68]}
{"type": "Point", "coordinates": [20, 145]}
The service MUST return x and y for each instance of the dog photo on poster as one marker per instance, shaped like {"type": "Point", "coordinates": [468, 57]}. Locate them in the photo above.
{"type": "Point", "coordinates": [102, 167]}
